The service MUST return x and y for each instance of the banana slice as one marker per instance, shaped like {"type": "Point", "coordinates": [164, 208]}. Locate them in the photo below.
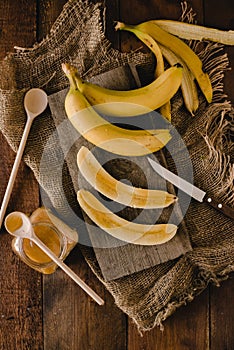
{"type": "Point", "coordinates": [116, 190]}
{"type": "Point", "coordinates": [122, 229]}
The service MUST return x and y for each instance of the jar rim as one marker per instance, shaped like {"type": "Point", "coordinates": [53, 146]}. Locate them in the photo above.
{"type": "Point", "coordinates": [34, 264]}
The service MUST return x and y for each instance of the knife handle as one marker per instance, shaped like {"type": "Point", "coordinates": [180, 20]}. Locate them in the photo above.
{"type": "Point", "coordinates": [223, 208]}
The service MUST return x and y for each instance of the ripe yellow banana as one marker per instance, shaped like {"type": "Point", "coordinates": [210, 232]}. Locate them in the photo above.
{"type": "Point", "coordinates": [132, 102]}
{"type": "Point", "coordinates": [116, 190]}
{"type": "Point", "coordinates": [103, 134]}
{"type": "Point", "coordinates": [165, 109]}
{"type": "Point", "coordinates": [181, 49]}
{"type": "Point", "coordinates": [120, 228]}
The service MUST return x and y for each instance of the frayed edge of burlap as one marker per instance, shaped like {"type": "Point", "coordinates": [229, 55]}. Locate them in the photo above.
{"type": "Point", "coordinates": [219, 125]}
{"type": "Point", "coordinates": [200, 284]}
{"type": "Point", "coordinates": [223, 179]}
{"type": "Point", "coordinates": [219, 115]}
{"type": "Point", "coordinates": [203, 278]}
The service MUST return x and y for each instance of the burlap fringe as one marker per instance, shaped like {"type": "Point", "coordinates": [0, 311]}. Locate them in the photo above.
{"type": "Point", "coordinates": [203, 280]}
{"type": "Point", "coordinates": [220, 115]}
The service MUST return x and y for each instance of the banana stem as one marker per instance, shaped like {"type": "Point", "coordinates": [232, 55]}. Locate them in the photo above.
{"type": "Point", "coordinates": [121, 26]}
{"type": "Point", "coordinates": [71, 73]}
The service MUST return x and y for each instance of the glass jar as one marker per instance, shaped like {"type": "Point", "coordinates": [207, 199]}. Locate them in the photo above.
{"type": "Point", "coordinates": [59, 238]}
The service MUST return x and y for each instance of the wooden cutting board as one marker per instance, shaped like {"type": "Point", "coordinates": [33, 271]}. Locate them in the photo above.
{"type": "Point", "coordinates": [116, 258]}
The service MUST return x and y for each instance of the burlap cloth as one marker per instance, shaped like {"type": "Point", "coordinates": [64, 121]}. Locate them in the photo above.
{"type": "Point", "coordinates": [148, 296]}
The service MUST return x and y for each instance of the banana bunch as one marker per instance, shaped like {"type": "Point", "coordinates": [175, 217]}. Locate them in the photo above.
{"type": "Point", "coordinates": [120, 228]}
{"type": "Point", "coordinates": [175, 51]}
{"type": "Point", "coordinates": [105, 135]}
{"type": "Point", "coordinates": [117, 191]}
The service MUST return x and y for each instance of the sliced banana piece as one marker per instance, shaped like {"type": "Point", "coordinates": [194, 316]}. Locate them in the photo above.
{"type": "Point", "coordinates": [122, 229]}
{"type": "Point", "coordinates": [116, 190]}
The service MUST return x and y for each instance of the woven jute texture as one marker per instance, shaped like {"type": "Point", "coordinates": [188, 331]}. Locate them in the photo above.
{"type": "Point", "coordinates": [148, 296]}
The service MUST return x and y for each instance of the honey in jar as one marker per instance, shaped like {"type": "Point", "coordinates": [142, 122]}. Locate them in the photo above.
{"type": "Point", "coordinates": [54, 233]}
{"type": "Point", "coordinates": [49, 236]}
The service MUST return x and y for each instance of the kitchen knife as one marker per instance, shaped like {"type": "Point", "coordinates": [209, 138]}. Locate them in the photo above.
{"type": "Point", "coordinates": [190, 189]}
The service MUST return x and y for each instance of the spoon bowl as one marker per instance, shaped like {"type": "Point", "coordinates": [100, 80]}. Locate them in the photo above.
{"type": "Point", "coordinates": [35, 101]}
{"type": "Point", "coordinates": [19, 225]}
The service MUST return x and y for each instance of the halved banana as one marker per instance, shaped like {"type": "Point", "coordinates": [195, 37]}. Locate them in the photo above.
{"type": "Point", "coordinates": [116, 190]}
{"type": "Point", "coordinates": [122, 229]}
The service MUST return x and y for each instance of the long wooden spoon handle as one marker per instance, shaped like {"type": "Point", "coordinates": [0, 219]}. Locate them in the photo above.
{"type": "Point", "coordinates": [14, 170]}
{"type": "Point", "coordinates": [68, 271]}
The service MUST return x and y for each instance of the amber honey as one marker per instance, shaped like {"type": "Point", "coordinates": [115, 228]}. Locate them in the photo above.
{"type": "Point", "coordinates": [56, 235]}
{"type": "Point", "coordinates": [49, 236]}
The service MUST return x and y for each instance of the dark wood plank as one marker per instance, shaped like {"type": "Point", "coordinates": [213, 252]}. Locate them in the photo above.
{"type": "Point", "coordinates": [187, 329]}
{"type": "Point", "coordinates": [20, 287]}
{"type": "Point", "coordinates": [47, 13]}
{"type": "Point", "coordinates": [222, 316]}
{"type": "Point", "coordinates": [110, 17]}
{"type": "Point", "coordinates": [17, 24]}
{"type": "Point", "coordinates": [72, 320]}
{"type": "Point", "coordinates": [138, 11]}
{"type": "Point", "coordinates": [220, 14]}
{"type": "Point", "coordinates": [20, 302]}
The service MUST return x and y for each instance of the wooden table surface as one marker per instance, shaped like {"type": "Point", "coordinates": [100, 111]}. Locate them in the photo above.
{"type": "Point", "coordinates": [51, 312]}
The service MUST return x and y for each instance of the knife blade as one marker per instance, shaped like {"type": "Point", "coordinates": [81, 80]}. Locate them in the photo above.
{"type": "Point", "coordinates": [190, 189]}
